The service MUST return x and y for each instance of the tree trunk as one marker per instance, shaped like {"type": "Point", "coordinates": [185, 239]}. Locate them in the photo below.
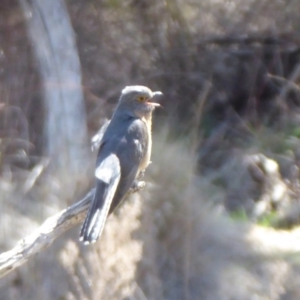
{"type": "Point", "coordinates": [53, 43]}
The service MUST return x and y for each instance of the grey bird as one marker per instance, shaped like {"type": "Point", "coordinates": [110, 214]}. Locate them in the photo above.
{"type": "Point", "coordinates": [124, 152]}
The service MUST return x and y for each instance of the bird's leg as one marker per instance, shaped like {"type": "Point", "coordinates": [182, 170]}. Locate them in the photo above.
{"type": "Point", "coordinates": [138, 185]}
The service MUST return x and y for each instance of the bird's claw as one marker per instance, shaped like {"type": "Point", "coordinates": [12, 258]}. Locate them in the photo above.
{"type": "Point", "coordinates": [137, 186]}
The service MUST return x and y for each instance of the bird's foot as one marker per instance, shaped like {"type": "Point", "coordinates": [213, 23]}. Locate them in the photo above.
{"type": "Point", "coordinates": [137, 186]}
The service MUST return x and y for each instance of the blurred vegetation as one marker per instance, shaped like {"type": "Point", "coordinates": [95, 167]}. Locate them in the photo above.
{"type": "Point", "coordinates": [226, 152]}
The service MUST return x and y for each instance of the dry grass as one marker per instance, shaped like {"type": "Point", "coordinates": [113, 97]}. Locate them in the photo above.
{"type": "Point", "coordinates": [168, 243]}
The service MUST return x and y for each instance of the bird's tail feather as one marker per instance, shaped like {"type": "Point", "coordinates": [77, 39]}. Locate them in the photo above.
{"type": "Point", "coordinates": [105, 189]}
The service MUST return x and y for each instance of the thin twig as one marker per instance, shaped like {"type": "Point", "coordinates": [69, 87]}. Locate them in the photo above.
{"type": "Point", "coordinates": [285, 81]}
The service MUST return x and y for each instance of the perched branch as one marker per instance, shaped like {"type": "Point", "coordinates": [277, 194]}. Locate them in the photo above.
{"type": "Point", "coordinates": [51, 229]}
{"type": "Point", "coordinates": [44, 236]}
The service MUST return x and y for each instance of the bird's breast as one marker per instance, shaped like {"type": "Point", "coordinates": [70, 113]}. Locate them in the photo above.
{"type": "Point", "coordinates": [148, 143]}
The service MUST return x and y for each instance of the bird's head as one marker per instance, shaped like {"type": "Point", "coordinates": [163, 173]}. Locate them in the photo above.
{"type": "Point", "coordinates": [138, 100]}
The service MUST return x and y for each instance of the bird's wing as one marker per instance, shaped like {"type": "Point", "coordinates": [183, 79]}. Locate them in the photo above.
{"type": "Point", "coordinates": [108, 173]}
{"type": "Point", "coordinates": [130, 154]}
{"type": "Point", "coordinates": [97, 138]}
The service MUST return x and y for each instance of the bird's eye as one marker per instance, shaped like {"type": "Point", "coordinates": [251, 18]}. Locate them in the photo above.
{"type": "Point", "coordinates": [141, 98]}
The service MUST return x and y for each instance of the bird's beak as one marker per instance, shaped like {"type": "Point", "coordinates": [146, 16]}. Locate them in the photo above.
{"type": "Point", "coordinates": [155, 95]}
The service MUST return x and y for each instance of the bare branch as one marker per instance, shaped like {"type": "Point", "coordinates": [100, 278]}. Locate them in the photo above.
{"type": "Point", "coordinates": [44, 236]}
{"type": "Point", "coordinates": [51, 229]}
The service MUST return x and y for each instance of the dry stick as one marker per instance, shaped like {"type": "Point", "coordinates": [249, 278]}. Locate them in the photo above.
{"type": "Point", "coordinates": [288, 83]}
{"type": "Point", "coordinates": [46, 234]}
{"type": "Point", "coordinates": [293, 78]}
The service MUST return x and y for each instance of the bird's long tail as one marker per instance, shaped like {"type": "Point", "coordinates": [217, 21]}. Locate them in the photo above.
{"type": "Point", "coordinates": [108, 175]}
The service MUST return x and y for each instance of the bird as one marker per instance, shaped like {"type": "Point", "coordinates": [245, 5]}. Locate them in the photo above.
{"type": "Point", "coordinates": [125, 144]}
